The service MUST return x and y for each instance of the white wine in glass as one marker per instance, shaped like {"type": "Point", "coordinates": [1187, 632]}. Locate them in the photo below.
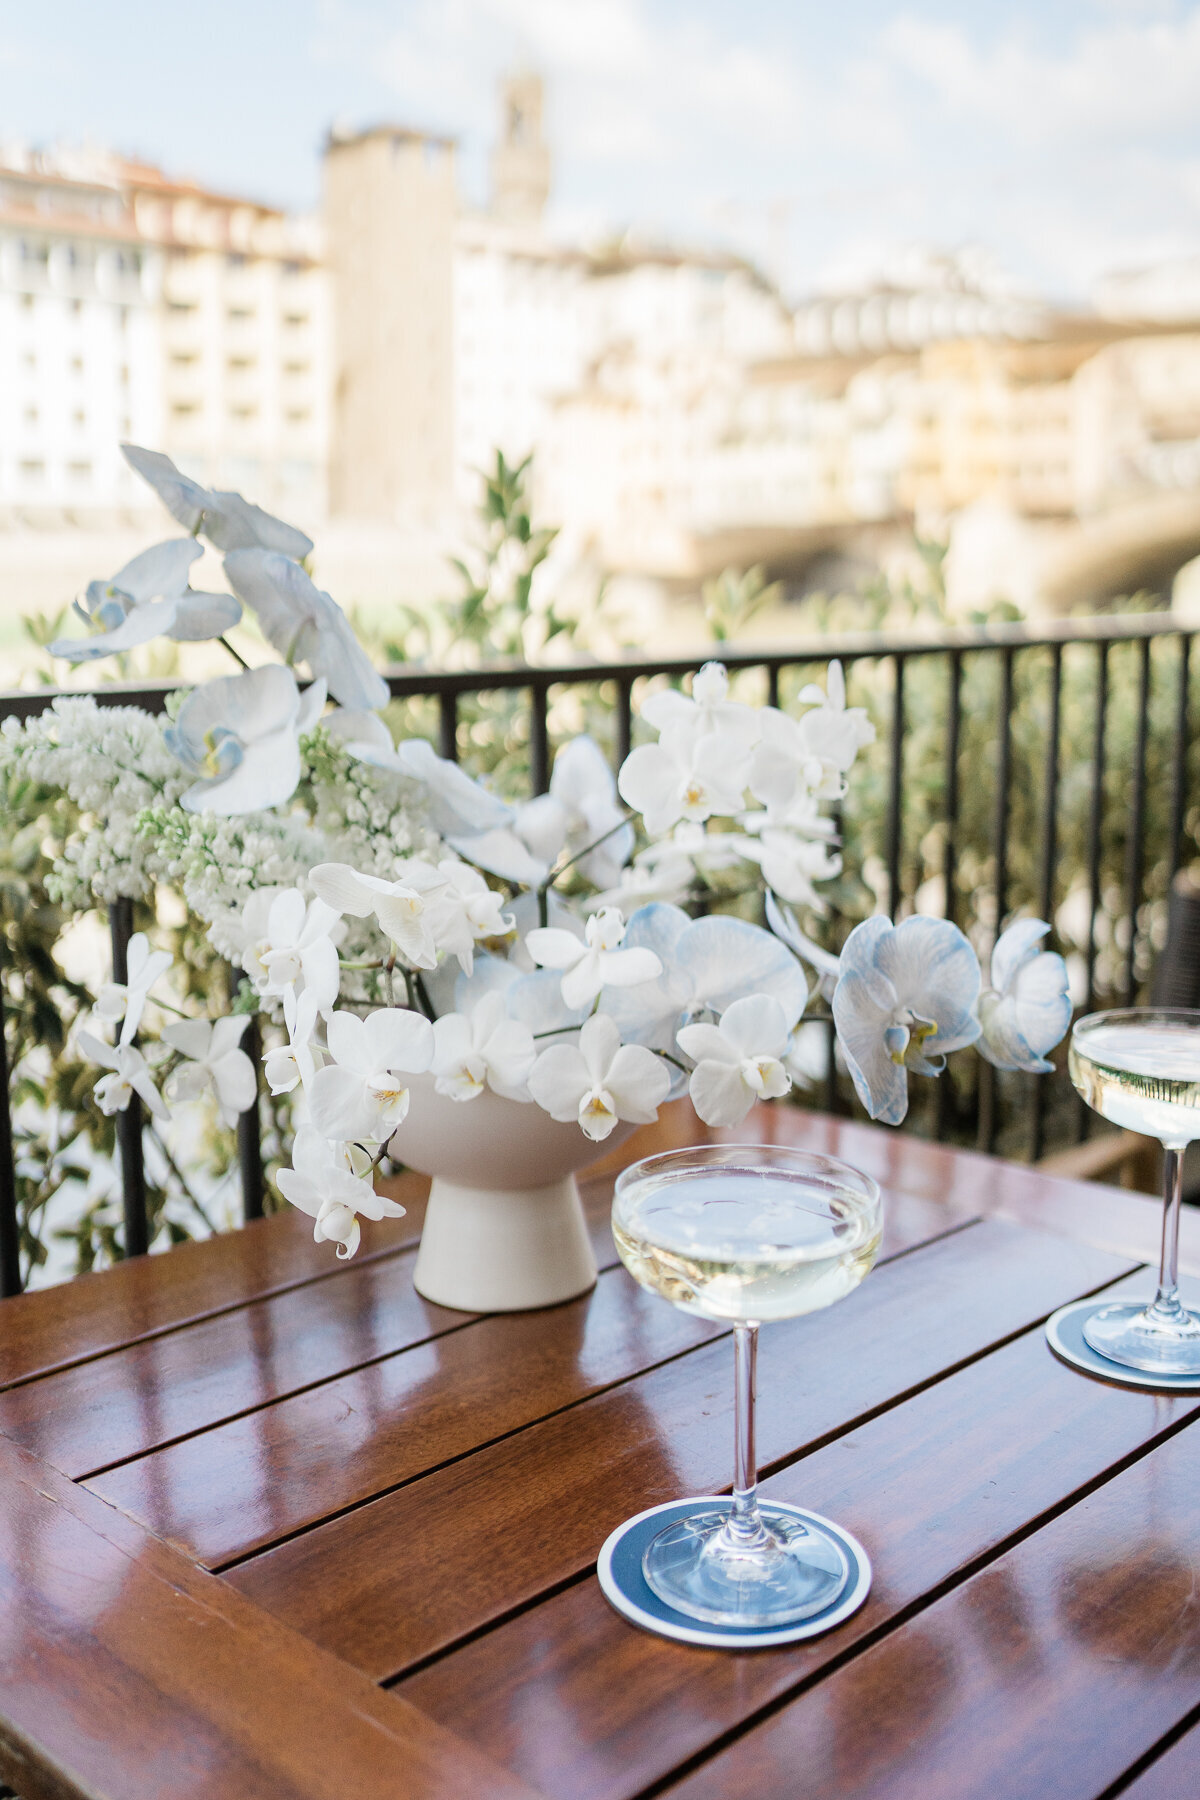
{"type": "Point", "coordinates": [1140, 1069]}
{"type": "Point", "coordinates": [746, 1234]}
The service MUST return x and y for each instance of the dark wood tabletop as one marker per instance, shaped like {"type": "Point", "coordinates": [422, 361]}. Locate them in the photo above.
{"type": "Point", "coordinates": [272, 1527]}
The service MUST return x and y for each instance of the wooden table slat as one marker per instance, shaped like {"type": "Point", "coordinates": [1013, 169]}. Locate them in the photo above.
{"type": "Point", "coordinates": [1050, 1672]}
{"type": "Point", "coordinates": [243, 1484]}
{"type": "Point", "coordinates": [361, 1585]}
{"type": "Point", "coordinates": [109, 1635]}
{"type": "Point", "coordinates": [1174, 1775]}
{"type": "Point", "coordinates": [575, 1700]}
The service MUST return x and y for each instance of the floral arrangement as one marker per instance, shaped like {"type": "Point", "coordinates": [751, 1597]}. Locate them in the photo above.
{"type": "Point", "coordinates": [406, 930]}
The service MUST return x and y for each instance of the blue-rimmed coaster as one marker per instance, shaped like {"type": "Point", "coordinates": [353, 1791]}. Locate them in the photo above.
{"type": "Point", "coordinates": [1064, 1334]}
{"type": "Point", "coordinates": [625, 1587]}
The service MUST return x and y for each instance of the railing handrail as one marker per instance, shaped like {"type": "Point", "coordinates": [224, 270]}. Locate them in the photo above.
{"type": "Point", "coordinates": [406, 680]}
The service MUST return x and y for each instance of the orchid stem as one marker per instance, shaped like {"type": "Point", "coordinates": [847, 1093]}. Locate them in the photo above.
{"type": "Point", "coordinates": [588, 848]}
{"type": "Point", "coordinates": [236, 654]}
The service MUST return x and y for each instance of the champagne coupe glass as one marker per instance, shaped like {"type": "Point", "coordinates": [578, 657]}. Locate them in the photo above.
{"type": "Point", "coordinates": [746, 1234]}
{"type": "Point", "coordinates": [1140, 1068]}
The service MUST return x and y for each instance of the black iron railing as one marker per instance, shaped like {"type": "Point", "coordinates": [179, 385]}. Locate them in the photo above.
{"type": "Point", "coordinates": [1116, 814]}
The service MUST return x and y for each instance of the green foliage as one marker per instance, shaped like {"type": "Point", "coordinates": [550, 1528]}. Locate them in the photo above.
{"type": "Point", "coordinates": [733, 598]}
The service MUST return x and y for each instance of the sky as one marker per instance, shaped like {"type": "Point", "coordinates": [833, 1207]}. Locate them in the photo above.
{"type": "Point", "coordinates": [1062, 136]}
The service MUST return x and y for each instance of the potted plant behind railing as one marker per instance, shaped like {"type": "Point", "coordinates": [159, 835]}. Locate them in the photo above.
{"type": "Point", "coordinates": [487, 990]}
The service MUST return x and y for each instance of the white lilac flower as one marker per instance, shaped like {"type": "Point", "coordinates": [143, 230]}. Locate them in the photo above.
{"type": "Point", "coordinates": [360, 1096]}
{"type": "Point", "coordinates": [214, 1061]}
{"type": "Point", "coordinates": [305, 624]}
{"type": "Point", "coordinates": [129, 1075]}
{"type": "Point", "coordinates": [148, 598]}
{"type": "Point", "coordinates": [240, 734]}
{"type": "Point", "coordinates": [227, 520]}
{"type": "Point", "coordinates": [599, 1081]}
{"type": "Point", "coordinates": [402, 906]}
{"type": "Point", "coordinates": [686, 775]}
{"type": "Point", "coordinates": [739, 1061]}
{"type": "Point", "coordinates": [321, 1184]}
{"type": "Point", "coordinates": [707, 964]}
{"type": "Point", "coordinates": [708, 709]}
{"type": "Point", "coordinates": [290, 950]}
{"type": "Point", "coordinates": [483, 1048]}
{"type": "Point", "coordinates": [127, 999]}
{"type": "Point", "coordinates": [905, 998]}
{"type": "Point", "coordinates": [598, 962]}
{"type": "Point", "coordinates": [1026, 1008]}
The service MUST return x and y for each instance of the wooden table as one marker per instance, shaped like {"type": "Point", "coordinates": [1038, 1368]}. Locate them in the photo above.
{"type": "Point", "coordinates": [271, 1525]}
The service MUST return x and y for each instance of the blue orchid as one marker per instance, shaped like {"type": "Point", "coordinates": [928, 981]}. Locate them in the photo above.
{"type": "Point", "coordinates": [905, 998]}
{"type": "Point", "coordinates": [226, 520]}
{"type": "Point", "coordinates": [1026, 1008]}
{"type": "Point", "coordinates": [241, 735]}
{"type": "Point", "coordinates": [305, 624]}
{"type": "Point", "coordinates": [707, 965]}
{"type": "Point", "coordinates": [148, 598]}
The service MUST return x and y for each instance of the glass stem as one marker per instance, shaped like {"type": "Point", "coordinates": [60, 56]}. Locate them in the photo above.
{"type": "Point", "coordinates": [744, 1528]}
{"type": "Point", "coordinates": [1166, 1305]}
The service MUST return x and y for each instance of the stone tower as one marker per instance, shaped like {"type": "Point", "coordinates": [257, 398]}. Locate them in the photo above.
{"type": "Point", "coordinates": [391, 205]}
{"type": "Point", "coordinates": [521, 160]}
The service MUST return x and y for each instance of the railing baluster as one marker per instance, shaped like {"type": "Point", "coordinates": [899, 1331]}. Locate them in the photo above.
{"type": "Point", "coordinates": [772, 684]}
{"type": "Point", "coordinates": [1049, 859]}
{"type": "Point", "coordinates": [950, 848]}
{"type": "Point", "coordinates": [10, 1229]}
{"type": "Point", "coordinates": [624, 719]}
{"type": "Point", "coordinates": [895, 787]}
{"type": "Point", "coordinates": [539, 738]}
{"type": "Point", "coordinates": [129, 1122]}
{"type": "Point", "coordinates": [249, 1131]}
{"type": "Point", "coordinates": [1179, 773]}
{"type": "Point", "coordinates": [1095, 843]}
{"type": "Point", "coordinates": [448, 725]}
{"type": "Point", "coordinates": [1137, 814]}
{"type": "Point", "coordinates": [1003, 785]}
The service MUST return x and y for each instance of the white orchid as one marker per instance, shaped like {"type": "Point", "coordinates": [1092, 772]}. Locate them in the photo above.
{"type": "Point", "coordinates": [241, 735]}
{"type": "Point", "coordinates": [227, 520]}
{"type": "Point", "coordinates": [127, 999]}
{"type": "Point", "coordinates": [599, 1081]}
{"type": "Point", "coordinates": [1026, 1008]}
{"type": "Point", "coordinates": [905, 998]}
{"type": "Point", "coordinates": [791, 864]}
{"type": "Point", "coordinates": [686, 775]}
{"type": "Point", "coordinates": [738, 1061]}
{"type": "Point", "coordinates": [214, 1061]}
{"type": "Point", "coordinates": [483, 1048]}
{"type": "Point", "coordinates": [598, 962]}
{"type": "Point", "coordinates": [580, 815]}
{"type": "Point", "coordinates": [464, 911]}
{"type": "Point", "coordinates": [708, 709]}
{"type": "Point", "coordinates": [322, 1184]}
{"type": "Point", "coordinates": [360, 1096]}
{"type": "Point", "coordinates": [148, 598]}
{"type": "Point", "coordinates": [292, 1065]}
{"type": "Point", "coordinates": [402, 906]}
{"type": "Point", "coordinates": [836, 732]}
{"type": "Point", "coordinates": [707, 964]}
{"type": "Point", "coordinates": [305, 624]}
{"type": "Point", "coordinates": [289, 950]}
{"type": "Point", "coordinates": [129, 1075]}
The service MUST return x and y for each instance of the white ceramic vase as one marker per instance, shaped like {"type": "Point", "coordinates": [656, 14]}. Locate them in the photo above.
{"type": "Point", "coordinates": [504, 1228]}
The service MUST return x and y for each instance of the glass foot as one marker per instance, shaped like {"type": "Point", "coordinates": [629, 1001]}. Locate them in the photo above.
{"type": "Point", "coordinates": [790, 1571]}
{"type": "Point", "coordinates": [1160, 1340]}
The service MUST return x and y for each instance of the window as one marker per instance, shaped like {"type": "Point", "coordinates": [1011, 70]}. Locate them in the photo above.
{"type": "Point", "coordinates": [182, 306]}
{"type": "Point", "coordinates": [183, 409]}
{"type": "Point", "coordinates": [77, 365]}
{"type": "Point", "coordinates": [238, 314]}
{"type": "Point", "coordinates": [27, 302]}
{"type": "Point", "coordinates": [28, 360]}
{"type": "Point", "coordinates": [242, 413]}
{"type": "Point", "coordinates": [80, 471]}
{"type": "Point", "coordinates": [241, 362]}
{"type": "Point", "coordinates": [183, 359]}
{"type": "Point", "coordinates": [298, 415]}
{"type": "Point", "coordinates": [33, 469]}
{"type": "Point", "coordinates": [295, 318]}
{"type": "Point", "coordinates": [31, 415]}
{"type": "Point", "coordinates": [295, 368]}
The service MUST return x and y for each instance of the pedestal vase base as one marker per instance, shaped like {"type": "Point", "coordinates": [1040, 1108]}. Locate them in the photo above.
{"type": "Point", "coordinates": [504, 1249]}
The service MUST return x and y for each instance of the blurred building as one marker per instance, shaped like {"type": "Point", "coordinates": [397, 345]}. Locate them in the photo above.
{"type": "Point", "coordinates": [134, 307]}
